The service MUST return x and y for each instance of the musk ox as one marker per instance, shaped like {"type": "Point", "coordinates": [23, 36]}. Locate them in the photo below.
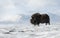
{"type": "Point", "coordinates": [38, 18]}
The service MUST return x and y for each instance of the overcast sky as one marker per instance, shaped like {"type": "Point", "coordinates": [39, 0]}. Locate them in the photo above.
{"type": "Point", "coordinates": [10, 9]}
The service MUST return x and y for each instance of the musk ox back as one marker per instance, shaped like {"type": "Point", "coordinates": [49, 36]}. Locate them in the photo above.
{"type": "Point", "coordinates": [37, 18]}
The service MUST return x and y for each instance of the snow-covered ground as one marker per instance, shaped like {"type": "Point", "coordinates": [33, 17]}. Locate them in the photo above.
{"type": "Point", "coordinates": [29, 31]}
{"type": "Point", "coordinates": [20, 11]}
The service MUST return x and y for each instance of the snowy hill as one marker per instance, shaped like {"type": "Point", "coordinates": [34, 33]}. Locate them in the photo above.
{"type": "Point", "coordinates": [26, 19]}
{"type": "Point", "coordinates": [53, 18]}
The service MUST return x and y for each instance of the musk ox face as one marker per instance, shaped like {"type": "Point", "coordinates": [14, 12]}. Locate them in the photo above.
{"type": "Point", "coordinates": [37, 18]}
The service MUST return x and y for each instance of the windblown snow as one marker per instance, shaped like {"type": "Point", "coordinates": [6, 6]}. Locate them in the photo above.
{"type": "Point", "coordinates": [29, 31]}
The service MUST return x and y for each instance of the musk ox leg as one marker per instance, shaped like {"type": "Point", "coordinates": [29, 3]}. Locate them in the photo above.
{"type": "Point", "coordinates": [47, 23]}
{"type": "Point", "coordinates": [34, 24]}
{"type": "Point", "coordinates": [38, 24]}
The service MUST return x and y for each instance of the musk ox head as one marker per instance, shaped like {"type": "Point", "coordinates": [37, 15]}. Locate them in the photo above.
{"type": "Point", "coordinates": [39, 18]}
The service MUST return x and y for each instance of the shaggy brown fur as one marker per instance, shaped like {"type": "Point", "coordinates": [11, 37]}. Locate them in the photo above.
{"type": "Point", "coordinates": [37, 18]}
